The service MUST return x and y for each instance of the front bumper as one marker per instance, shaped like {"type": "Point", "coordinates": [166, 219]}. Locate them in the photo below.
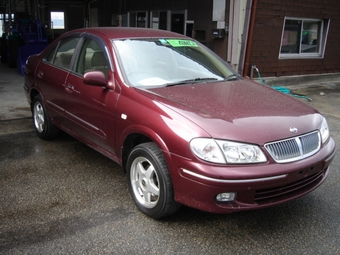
{"type": "Point", "coordinates": [257, 186]}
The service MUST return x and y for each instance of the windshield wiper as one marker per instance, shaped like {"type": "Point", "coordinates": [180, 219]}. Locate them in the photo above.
{"type": "Point", "coordinates": [191, 81]}
{"type": "Point", "coordinates": [231, 77]}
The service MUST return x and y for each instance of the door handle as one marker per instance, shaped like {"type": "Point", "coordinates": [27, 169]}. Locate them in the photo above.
{"type": "Point", "coordinates": [40, 74]}
{"type": "Point", "coordinates": [69, 86]}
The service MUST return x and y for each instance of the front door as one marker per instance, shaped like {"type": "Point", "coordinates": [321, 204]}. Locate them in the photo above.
{"type": "Point", "coordinates": [90, 109]}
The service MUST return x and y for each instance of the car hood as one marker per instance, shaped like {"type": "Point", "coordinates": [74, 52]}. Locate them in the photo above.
{"type": "Point", "coordinates": [239, 110]}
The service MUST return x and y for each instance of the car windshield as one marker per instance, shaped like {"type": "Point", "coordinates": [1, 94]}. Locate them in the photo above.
{"type": "Point", "coordinates": [169, 62]}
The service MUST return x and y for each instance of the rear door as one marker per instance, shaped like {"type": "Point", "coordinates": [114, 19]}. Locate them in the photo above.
{"type": "Point", "coordinates": [89, 110]}
{"type": "Point", "coordinates": [51, 75]}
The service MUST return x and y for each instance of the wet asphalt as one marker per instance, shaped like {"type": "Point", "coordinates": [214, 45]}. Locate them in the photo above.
{"type": "Point", "coordinates": [62, 197]}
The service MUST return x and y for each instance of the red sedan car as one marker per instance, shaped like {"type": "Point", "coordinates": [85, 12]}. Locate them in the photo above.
{"type": "Point", "coordinates": [183, 125]}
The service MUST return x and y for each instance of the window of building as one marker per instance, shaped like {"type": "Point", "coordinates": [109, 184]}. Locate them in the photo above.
{"type": "Point", "coordinates": [303, 38]}
{"type": "Point", "coordinates": [2, 24]}
{"type": "Point", "coordinates": [57, 19]}
{"type": "Point", "coordinates": [4, 20]}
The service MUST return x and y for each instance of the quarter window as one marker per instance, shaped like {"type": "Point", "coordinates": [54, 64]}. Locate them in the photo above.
{"type": "Point", "coordinates": [303, 38]}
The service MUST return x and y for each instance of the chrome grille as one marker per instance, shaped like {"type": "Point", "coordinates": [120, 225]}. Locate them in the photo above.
{"type": "Point", "coordinates": [295, 148]}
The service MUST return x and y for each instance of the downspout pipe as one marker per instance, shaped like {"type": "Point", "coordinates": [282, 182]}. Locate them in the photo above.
{"type": "Point", "coordinates": [250, 38]}
{"type": "Point", "coordinates": [89, 10]}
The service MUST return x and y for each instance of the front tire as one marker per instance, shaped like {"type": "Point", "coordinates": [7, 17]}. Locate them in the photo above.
{"type": "Point", "coordinates": [42, 124]}
{"type": "Point", "coordinates": [149, 181]}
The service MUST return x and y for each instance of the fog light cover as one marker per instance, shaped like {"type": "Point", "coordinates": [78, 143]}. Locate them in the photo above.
{"type": "Point", "coordinates": [226, 197]}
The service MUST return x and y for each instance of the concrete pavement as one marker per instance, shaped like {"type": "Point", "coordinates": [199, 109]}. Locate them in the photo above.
{"type": "Point", "coordinates": [13, 101]}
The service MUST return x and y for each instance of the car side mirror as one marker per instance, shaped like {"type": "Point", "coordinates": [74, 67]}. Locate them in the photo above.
{"type": "Point", "coordinates": [95, 78]}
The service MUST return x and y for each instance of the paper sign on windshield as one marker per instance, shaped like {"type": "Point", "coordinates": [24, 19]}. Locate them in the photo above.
{"type": "Point", "coordinates": [181, 43]}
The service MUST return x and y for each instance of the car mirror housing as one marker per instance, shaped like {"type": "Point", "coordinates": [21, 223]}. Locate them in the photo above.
{"type": "Point", "coordinates": [95, 78]}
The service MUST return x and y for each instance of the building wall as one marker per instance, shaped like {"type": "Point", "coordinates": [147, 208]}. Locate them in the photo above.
{"type": "Point", "coordinates": [269, 21]}
{"type": "Point", "coordinates": [201, 12]}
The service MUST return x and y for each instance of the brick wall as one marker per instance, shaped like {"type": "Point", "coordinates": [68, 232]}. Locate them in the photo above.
{"type": "Point", "coordinates": [269, 21]}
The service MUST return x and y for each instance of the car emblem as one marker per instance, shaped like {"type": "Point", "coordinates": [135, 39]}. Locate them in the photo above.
{"type": "Point", "coordinates": [293, 129]}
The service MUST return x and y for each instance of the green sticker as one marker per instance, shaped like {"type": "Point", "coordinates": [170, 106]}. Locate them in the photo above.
{"type": "Point", "coordinates": [181, 43]}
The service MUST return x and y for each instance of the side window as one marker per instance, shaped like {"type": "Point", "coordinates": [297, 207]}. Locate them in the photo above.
{"type": "Point", "coordinates": [50, 56]}
{"type": "Point", "coordinates": [62, 55]}
{"type": "Point", "coordinates": [92, 58]}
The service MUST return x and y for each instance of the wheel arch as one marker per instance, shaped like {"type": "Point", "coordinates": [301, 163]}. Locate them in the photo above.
{"type": "Point", "coordinates": [137, 135]}
{"type": "Point", "coordinates": [33, 93]}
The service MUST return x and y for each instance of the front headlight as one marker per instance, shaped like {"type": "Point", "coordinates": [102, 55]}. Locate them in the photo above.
{"type": "Point", "coordinates": [221, 151]}
{"type": "Point", "coordinates": [324, 131]}
{"type": "Point", "coordinates": [207, 149]}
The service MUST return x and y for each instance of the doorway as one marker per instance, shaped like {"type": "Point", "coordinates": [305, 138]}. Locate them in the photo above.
{"type": "Point", "coordinates": [177, 23]}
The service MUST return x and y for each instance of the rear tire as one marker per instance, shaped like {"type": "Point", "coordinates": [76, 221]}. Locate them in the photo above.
{"type": "Point", "coordinates": [42, 124]}
{"type": "Point", "coordinates": [149, 181]}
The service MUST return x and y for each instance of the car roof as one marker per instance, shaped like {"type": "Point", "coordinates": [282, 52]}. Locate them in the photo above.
{"type": "Point", "coordinates": [128, 32]}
